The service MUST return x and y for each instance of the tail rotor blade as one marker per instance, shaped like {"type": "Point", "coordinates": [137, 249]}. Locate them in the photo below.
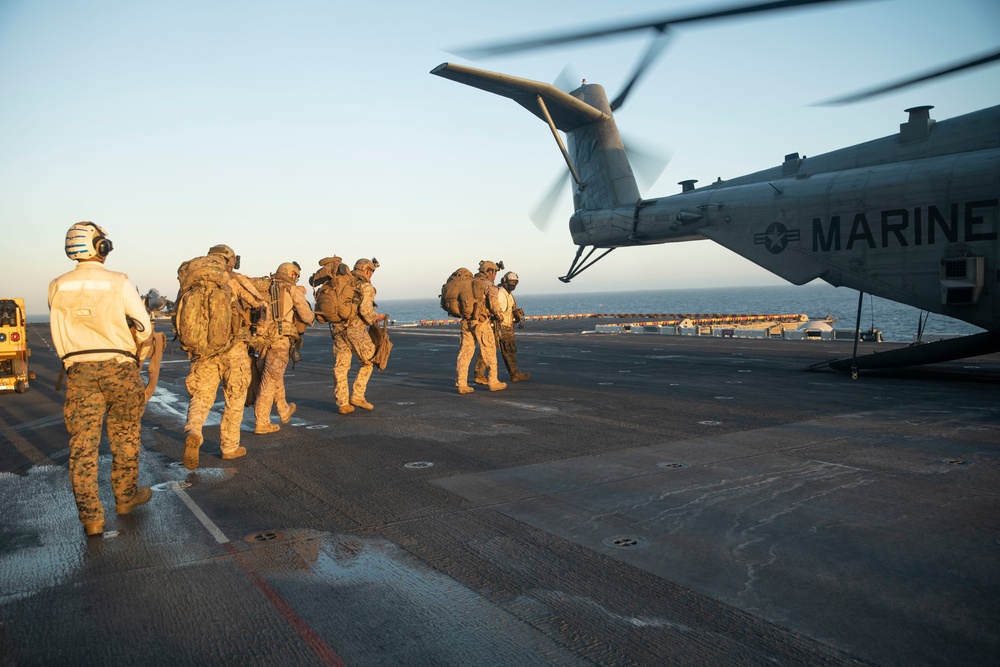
{"type": "Point", "coordinates": [568, 80]}
{"type": "Point", "coordinates": [647, 163]}
{"type": "Point", "coordinates": [542, 215]}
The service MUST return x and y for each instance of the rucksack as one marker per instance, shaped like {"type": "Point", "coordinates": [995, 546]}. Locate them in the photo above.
{"type": "Point", "coordinates": [207, 318]}
{"type": "Point", "coordinates": [457, 295]}
{"type": "Point", "coordinates": [383, 346]}
{"type": "Point", "coordinates": [336, 298]}
{"type": "Point", "coordinates": [265, 323]}
{"type": "Point", "coordinates": [328, 267]}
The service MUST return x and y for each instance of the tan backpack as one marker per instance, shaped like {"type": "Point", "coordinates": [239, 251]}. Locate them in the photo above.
{"type": "Point", "coordinates": [457, 294]}
{"type": "Point", "coordinates": [383, 346]}
{"type": "Point", "coordinates": [207, 318]}
{"type": "Point", "coordinates": [336, 298]}
{"type": "Point", "coordinates": [328, 267]}
{"type": "Point", "coordinates": [267, 324]}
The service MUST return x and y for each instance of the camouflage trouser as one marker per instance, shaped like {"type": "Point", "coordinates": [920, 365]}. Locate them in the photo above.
{"type": "Point", "coordinates": [472, 333]}
{"type": "Point", "coordinates": [272, 381]}
{"type": "Point", "coordinates": [352, 338]}
{"type": "Point", "coordinates": [93, 389]}
{"type": "Point", "coordinates": [232, 368]}
{"type": "Point", "coordinates": [508, 350]}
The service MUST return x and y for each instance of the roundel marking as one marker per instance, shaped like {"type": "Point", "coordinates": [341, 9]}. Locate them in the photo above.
{"type": "Point", "coordinates": [776, 237]}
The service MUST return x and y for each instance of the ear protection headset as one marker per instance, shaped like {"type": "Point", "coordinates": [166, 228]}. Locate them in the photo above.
{"type": "Point", "coordinates": [102, 244]}
{"type": "Point", "coordinates": [86, 240]}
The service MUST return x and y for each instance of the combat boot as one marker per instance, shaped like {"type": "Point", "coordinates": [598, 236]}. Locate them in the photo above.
{"type": "Point", "coordinates": [267, 427]}
{"type": "Point", "coordinates": [465, 389]}
{"type": "Point", "coordinates": [361, 403]}
{"type": "Point", "coordinates": [93, 528]}
{"type": "Point", "coordinates": [345, 409]}
{"type": "Point", "coordinates": [192, 442]}
{"type": "Point", "coordinates": [498, 386]}
{"type": "Point", "coordinates": [141, 497]}
{"type": "Point", "coordinates": [288, 415]}
{"type": "Point", "coordinates": [518, 376]}
{"type": "Point", "coordinates": [239, 451]}
{"type": "Point", "coordinates": [481, 380]}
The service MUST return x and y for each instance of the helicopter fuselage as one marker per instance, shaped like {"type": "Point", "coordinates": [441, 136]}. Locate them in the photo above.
{"type": "Point", "coordinates": [858, 228]}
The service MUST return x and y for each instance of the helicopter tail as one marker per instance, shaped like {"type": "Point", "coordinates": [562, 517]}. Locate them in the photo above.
{"type": "Point", "coordinates": [595, 154]}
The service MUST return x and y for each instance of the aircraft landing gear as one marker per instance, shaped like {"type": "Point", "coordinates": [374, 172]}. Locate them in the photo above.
{"type": "Point", "coordinates": [580, 265]}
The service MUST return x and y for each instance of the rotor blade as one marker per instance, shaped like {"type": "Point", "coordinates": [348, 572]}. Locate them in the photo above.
{"type": "Point", "coordinates": [659, 24]}
{"type": "Point", "coordinates": [567, 80]}
{"type": "Point", "coordinates": [652, 53]}
{"type": "Point", "coordinates": [647, 163]}
{"type": "Point", "coordinates": [542, 215]}
{"type": "Point", "coordinates": [977, 61]}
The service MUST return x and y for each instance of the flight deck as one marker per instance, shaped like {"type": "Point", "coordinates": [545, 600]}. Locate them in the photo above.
{"type": "Point", "coordinates": [641, 500]}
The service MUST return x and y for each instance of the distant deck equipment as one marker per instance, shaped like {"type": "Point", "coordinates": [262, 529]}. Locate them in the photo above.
{"type": "Point", "coordinates": [14, 352]}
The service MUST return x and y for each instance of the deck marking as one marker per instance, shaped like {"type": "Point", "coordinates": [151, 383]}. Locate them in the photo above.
{"type": "Point", "coordinates": [311, 637]}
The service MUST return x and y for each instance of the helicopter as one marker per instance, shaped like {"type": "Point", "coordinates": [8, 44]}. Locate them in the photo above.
{"type": "Point", "coordinates": [912, 217]}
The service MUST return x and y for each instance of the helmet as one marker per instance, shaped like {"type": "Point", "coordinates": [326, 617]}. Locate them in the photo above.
{"type": "Point", "coordinates": [290, 269]}
{"type": "Point", "coordinates": [487, 265]}
{"type": "Point", "coordinates": [227, 252]}
{"type": "Point", "coordinates": [509, 277]}
{"type": "Point", "coordinates": [365, 263]}
{"type": "Point", "coordinates": [86, 240]}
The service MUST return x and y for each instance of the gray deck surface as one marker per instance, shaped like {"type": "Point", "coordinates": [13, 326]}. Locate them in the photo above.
{"type": "Point", "coordinates": [641, 500]}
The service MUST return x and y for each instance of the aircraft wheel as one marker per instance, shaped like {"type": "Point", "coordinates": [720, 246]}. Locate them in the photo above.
{"type": "Point", "coordinates": [21, 386]}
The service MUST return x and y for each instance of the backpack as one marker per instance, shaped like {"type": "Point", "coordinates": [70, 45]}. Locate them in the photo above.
{"type": "Point", "coordinates": [336, 298]}
{"type": "Point", "coordinates": [457, 296]}
{"type": "Point", "coordinates": [207, 317]}
{"type": "Point", "coordinates": [383, 346]}
{"type": "Point", "coordinates": [328, 267]}
{"type": "Point", "coordinates": [265, 323]}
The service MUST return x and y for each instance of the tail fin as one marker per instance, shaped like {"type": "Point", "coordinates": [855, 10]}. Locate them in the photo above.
{"type": "Point", "coordinates": [595, 149]}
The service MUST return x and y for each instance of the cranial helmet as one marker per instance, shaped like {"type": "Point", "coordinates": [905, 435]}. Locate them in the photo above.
{"type": "Point", "coordinates": [509, 277]}
{"type": "Point", "coordinates": [227, 252]}
{"type": "Point", "coordinates": [290, 269]}
{"type": "Point", "coordinates": [86, 240]}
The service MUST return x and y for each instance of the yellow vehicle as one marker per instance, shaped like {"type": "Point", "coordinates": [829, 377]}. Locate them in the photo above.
{"type": "Point", "coordinates": [14, 350]}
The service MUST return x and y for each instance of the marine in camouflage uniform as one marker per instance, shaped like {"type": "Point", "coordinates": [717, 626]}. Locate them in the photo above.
{"type": "Point", "coordinates": [89, 307]}
{"type": "Point", "coordinates": [478, 329]}
{"type": "Point", "coordinates": [351, 338]}
{"type": "Point", "coordinates": [503, 330]}
{"type": "Point", "coordinates": [231, 368]}
{"type": "Point", "coordinates": [292, 306]}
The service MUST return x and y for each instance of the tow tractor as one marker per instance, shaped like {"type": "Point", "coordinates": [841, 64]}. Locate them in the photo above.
{"type": "Point", "coordinates": [14, 352]}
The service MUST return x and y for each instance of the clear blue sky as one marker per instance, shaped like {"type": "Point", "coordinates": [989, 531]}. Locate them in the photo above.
{"type": "Point", "coordinates": [301, 129]}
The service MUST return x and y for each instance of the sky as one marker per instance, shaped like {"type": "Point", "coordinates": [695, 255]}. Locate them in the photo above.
{"type": "Point", "coordinates": [307, 128]}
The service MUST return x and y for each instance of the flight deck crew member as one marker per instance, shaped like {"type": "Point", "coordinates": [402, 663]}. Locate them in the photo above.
{"type": "Point", "coordinates": [292, 306]}
{"type": "Point", "coordinates": [352, 338]}
{"type": "Point", "coordinates": [90, 309]}
{"type": "Point", "coordinates": [231, 368]}
{"type": "Point", "coordinates": [503, 330]}
{"type": "Point", "coordinates": [477, 329]}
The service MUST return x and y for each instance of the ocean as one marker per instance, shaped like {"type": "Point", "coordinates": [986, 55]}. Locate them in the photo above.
{"type": "Point", "coordinates": [897, 322]}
